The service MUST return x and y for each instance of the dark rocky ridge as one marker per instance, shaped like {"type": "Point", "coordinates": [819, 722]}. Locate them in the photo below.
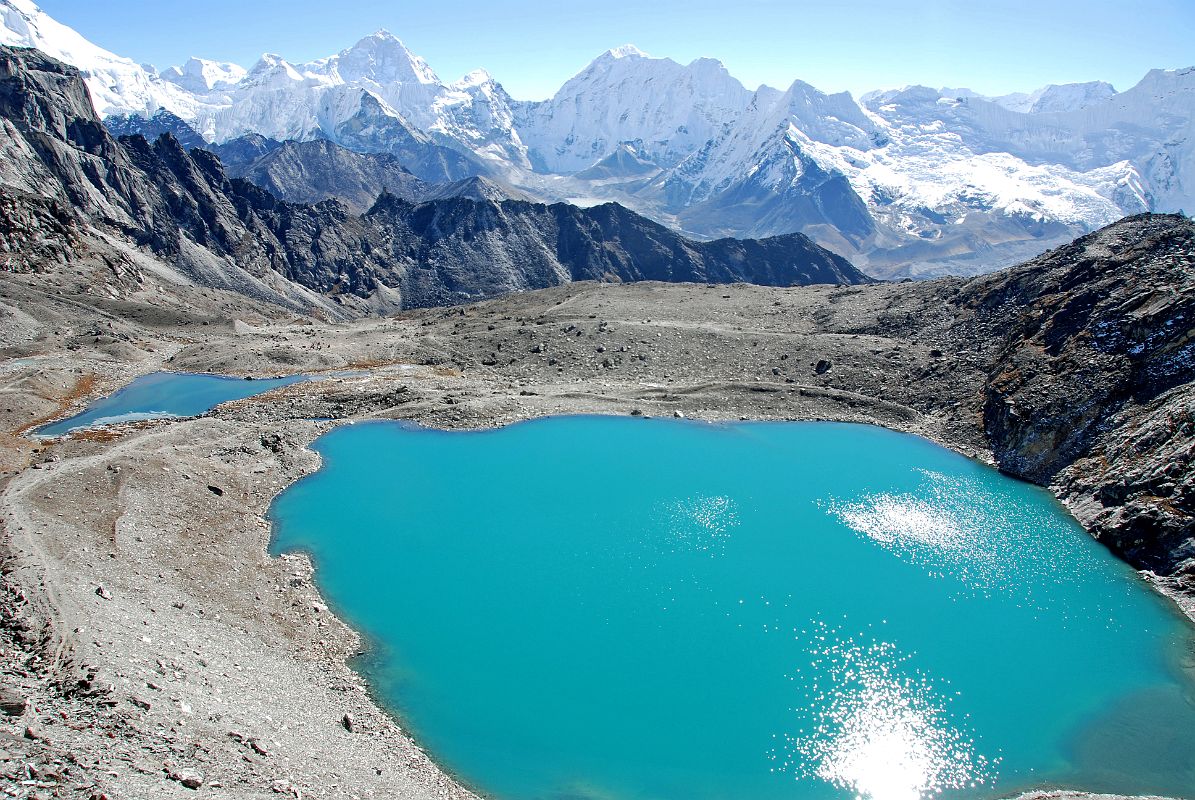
{"type": "Point", "coordinates": [463, 249]}
{"type": "Point", "coordinates": [311, 172]}
{"type": "Point", "coordinates": [228, 233]}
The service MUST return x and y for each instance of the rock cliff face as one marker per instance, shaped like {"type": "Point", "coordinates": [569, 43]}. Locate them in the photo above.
{"type": "Point", "coordinates": [229, 233]}
{"type": "Point", "coordinates": [1091, 389]}
{"type": "Point", "coordinates": [35, 231]}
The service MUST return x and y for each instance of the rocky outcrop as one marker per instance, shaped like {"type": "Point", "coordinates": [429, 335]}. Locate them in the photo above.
{"type": "Point", "coordinates": [1091, 389]}
{"type": "Point", "coordinates": [34, 232]}
{"type": "Point", "coordinates": [229, 233]}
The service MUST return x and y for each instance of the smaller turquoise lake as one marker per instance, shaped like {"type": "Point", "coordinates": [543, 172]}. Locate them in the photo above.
{"type": "Point", "coordinates": [602, 608]}
{"type": "Point", "coordinates": [166, 394]}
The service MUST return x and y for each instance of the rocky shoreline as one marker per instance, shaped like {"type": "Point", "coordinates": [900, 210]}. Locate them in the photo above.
{"type": "Point", "coordinates": [157, 647]}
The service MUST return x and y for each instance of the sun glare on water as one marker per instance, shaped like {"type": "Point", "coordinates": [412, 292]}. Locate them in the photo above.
{"type": "Point", "coordinates": [880, 731]}
{"type": "Point", "coordinates": [888, 749]}
{"type": "Point", "coordinates": [874, 728]}
{"type": "Point", "coordinates": [953, 528]}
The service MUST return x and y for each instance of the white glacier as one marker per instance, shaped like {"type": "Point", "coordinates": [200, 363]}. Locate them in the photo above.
{"type": "Point", "coordinates": [118, 85]}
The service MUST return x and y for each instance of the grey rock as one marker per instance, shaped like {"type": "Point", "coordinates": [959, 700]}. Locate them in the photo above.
{"type": "Point", "coordinates": [12, 702]}
{"type": "Point", "coordinates": [188, 777]}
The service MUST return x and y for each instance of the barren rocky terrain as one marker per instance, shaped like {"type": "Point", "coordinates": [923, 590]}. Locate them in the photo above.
{"type": "Point", "coordinates": [151, 647]}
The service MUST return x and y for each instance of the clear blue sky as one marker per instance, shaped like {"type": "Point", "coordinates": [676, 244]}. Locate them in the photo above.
{"type": "Point", "coordinates": [533, 46]}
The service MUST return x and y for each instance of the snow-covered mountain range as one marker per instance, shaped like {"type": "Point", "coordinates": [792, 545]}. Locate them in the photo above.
{"type": "Point", "coordinates": [916, 181]}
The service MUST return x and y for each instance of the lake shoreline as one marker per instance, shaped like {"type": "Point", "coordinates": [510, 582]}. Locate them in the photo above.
{"type": "Point", "coordinates": [253, 656]}
{"type": "Point", "coordinates": [301, 618]}
{"type": "Point", "coordinates": [699, 481]}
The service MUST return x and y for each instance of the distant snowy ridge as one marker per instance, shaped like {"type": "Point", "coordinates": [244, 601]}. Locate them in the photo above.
{"type": "Point", "coordinates": [908, 181]}
{"type": "Point", "coordinates": [1055, 97]}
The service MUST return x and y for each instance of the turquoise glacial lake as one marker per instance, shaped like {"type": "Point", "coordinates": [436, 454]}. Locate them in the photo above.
{"type": "Point", "coordinates": [621, 609]}
{"type": "Point", "coordinates": [163, 395]}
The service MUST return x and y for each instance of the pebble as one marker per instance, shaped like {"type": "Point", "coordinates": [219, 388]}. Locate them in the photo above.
{"type": "Point", "coordinates": [190, 778]}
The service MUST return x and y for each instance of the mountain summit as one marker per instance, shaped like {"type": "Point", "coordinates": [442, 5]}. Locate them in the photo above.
{"type": "Point", "coordinates": [383, 59]}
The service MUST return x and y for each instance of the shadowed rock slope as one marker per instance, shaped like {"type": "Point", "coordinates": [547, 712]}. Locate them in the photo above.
{"type": "Point", "coordinates": [1091, 388]}
{"type": "Point", "coordinates": [228, 233]}
{"type": "Point", "coordinates": [311, 172]}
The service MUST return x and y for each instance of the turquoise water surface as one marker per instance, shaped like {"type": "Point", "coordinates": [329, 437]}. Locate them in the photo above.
{"type": "Point", "coordinates": [166, 394]}
{"type": "Point", "coordinates": [615, 608]}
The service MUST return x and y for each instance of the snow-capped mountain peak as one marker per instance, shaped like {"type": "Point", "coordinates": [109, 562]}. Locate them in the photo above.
{"type": "Point", "coordinates": [667, 110]}
{"type": "Point", "coordinates": [835, 119]}
{"type": "Point", "coordinates": [26, 25]}
{"type": "Point", "coordinates": [625, 51]}
{"type": "Point", "coordinates": [199, 76]}
{"type": "Point", "coordinates": [383, 59]}
{"type": "Point", "coordinates": [271, 70]}
{"type": "Point", "coordinates": [117, 84]}
{"type": "Point", "coordinates": [475, 78]}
